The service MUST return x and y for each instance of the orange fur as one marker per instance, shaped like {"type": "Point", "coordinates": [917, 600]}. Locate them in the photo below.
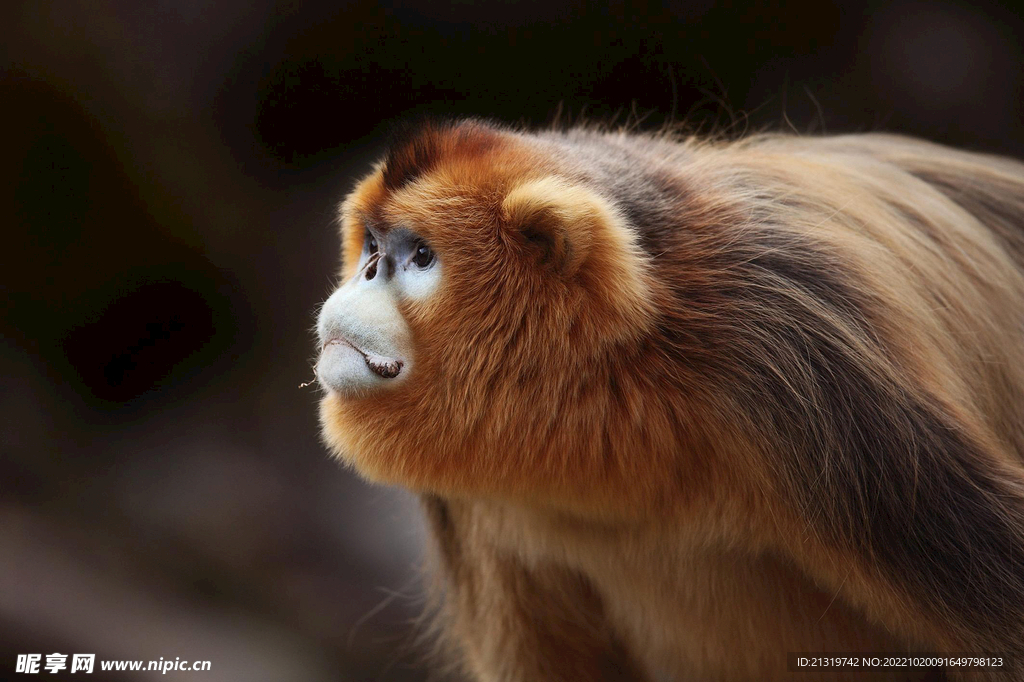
{"type": "Point", "coordinates": [679, 408]}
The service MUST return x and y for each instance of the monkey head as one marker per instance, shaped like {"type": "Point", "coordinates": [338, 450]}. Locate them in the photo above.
{"type": "Point", "coordinates": [488, 296]}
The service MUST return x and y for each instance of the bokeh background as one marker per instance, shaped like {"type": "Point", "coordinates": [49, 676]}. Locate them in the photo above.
{"type": "Point", "coordinates": [171, 170]}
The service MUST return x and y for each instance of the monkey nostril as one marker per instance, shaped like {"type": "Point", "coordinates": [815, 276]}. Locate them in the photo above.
{"type": "Point", "coordinates": [371, 266]}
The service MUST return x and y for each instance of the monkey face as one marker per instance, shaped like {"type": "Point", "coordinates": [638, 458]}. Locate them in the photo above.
{"type": "Point", "coordinates": [364, 338]}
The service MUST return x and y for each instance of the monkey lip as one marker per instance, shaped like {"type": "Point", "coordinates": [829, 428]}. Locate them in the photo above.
{"type": "Point", "coordinates": [382, 366]}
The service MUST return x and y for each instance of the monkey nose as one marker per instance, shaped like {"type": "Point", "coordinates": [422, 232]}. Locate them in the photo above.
{"type": "Point", "coordinates": [374, 265]}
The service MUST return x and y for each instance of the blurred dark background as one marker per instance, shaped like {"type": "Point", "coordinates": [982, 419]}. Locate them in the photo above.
{"type": "Point", "coordinates": [170, 176]}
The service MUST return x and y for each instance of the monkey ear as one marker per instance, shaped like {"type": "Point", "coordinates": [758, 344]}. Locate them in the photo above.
{"type": "Point", "coordinates": [558, 221]}
{"type": "Point", "coordinates": [580, 235]}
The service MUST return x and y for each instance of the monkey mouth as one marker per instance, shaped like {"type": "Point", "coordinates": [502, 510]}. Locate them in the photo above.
{"type": "Point", "coordinates": [382, 366]}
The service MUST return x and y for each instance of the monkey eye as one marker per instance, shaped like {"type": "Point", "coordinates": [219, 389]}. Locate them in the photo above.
{"type": "Point", "coordinates": [371, 243]}
{"type": "Point", "coordinates": [423, 257]}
